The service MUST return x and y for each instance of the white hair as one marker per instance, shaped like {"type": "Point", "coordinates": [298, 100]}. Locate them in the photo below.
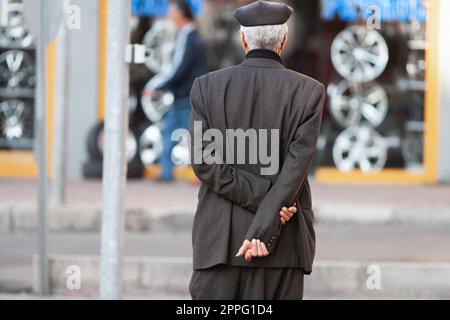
{"type": "Point", "coordinates": [264, 37]}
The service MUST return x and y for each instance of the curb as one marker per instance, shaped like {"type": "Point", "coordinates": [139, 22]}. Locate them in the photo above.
{"type": "Point", "coordinates": [382, 214]}
{"type": "Point", "coordinates": [87, 218]}
{"type": "Point", "coordinates": [15, 288]}
{"type": "Point", "coordinates": [23, 218]}
{"type": "Point", "coordinates": [330, 278]}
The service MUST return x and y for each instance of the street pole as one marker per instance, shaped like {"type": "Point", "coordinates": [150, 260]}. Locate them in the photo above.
{"type": "Point", "coordinates": [114, 163]}
{"type": "Point", "coordinates": [3, 12]}
{"type": "Point", "coordinates": [41, 140]}
{"type": "Point", "coordinates": [58, 188]}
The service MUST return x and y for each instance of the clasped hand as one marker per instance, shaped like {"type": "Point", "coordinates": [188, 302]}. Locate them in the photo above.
{"type": "Point", "coordinates": [256, 248]}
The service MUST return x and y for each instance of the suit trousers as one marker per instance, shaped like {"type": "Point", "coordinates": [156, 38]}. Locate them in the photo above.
{"type": "Point", "coordinates": [225, 282]}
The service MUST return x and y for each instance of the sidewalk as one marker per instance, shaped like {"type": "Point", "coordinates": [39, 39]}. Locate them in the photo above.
{"type": "Point", "coordinates": [404, 230]}
{"type": "Point", "coordinates": [152, 206]}
{"type": "Point", "coordinates": [144, 193]}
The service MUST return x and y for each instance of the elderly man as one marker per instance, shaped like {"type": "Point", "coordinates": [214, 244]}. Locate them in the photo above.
{"type": "Point", "coordinates": [247, 244]}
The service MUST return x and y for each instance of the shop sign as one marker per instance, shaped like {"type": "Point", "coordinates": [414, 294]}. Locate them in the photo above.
{"type": "Point", "coordinates": [389, 10]}
{"type": "Point", "coordinates": [154, 8]}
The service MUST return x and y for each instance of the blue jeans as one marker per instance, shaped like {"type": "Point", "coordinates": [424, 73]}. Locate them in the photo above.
{"type": "Point", "coordinates": [176, 118]}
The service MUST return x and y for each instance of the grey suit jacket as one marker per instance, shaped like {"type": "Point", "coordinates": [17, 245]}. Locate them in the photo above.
{"type": "Point", "coordinates": [235, 201]}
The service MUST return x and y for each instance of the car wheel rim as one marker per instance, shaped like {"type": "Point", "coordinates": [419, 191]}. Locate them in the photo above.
{"type": "Point", "coordinates": [15, 33]}
{"type": "Point", "coordinates": [181, 154]}
{"type": "Point", "coordinates": [358, 104]}
{"type": "Point", "coordinates": [359, 54]}
{"type": "Point", "coordinates": [160, 43]}
{"type": "Point", "coordinates": [16, 70]}
{"type": "Point", "coordinates": [133, 102]}
{"type": "Point", "coordinates": [150, 145]}
{"type": "Point", "coordinates": [155, 109]}
{"type": "Point", "coordinates": [360, 147]}
{"type": "Point", "coordinates": [15, 122]}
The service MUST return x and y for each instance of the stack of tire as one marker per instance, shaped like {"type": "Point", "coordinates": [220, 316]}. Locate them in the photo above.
{"type": "Point", "coordinates": [144, 143]}
{"type": "Point", "coordinates": [413, 136]}
{"type": "Point", "coordinates": [358, 104]}
{"type": "Point", "coordinates": [95, 142]}
{"type": "Point", "coordinates": [17, 80]}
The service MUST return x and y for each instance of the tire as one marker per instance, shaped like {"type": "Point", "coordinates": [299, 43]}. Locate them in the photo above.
{"type": "Point", "coordinates": [95, 150]}
{"type": "Point", "coordinates": [93, 147]}
{"type": "Point", "coordinates": [135, 170]}
{"type": "Point", "coordinates": [93, 169]}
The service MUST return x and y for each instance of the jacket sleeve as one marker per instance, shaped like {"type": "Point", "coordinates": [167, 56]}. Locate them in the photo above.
{"type": "Point", "coordinates": [238, 186]}
{"type": "Point", "coordinates": [266, 225]}
{"type": "Point", "coordinates": [182, 61]}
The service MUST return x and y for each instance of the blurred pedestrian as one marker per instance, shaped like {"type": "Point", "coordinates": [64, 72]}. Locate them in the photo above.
{"type": "Point", "coordinates": [189, 62]}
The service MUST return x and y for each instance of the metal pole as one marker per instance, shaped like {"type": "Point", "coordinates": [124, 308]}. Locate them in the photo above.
{"type": "Point", "coordinates": [4, 12]}
{"type": "Point", "coordinates": [444, 96]}
{"type": "Point", "coordinates": [41, 140]}
{"type": "Point", "coordinates": [114, 163]}
{"type": "Point", "coordinates": [60, 132]}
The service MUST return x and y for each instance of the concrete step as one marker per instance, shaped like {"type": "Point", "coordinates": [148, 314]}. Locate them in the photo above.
{"type": "Point", "coordinates": [332, 279]}
{"type": "Point", "coordinates": [23, 218]}
{"type": "Point", "coordinates": [13, 287]}
{"type": "Point", "coordinates": [18, 218]}
{"type": "Point", "coordinates": [335, 242]}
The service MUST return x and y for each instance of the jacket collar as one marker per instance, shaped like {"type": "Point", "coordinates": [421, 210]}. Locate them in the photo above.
{"type": "Point", "coordinates": [263, 58]}
{"type": "Point", "coordinates": [188, 27]}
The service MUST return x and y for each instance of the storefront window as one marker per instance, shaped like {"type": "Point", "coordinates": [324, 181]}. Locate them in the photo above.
{"type": "Point", "coordinates": [17, 81]}
{"type": "Point", "coordinates": [375, 74]}
{"type": "Point", "coordinates": [371, 55]}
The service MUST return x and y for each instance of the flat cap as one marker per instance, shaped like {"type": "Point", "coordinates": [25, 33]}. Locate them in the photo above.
{"type": "Point", "coordinates": [263, 13]}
